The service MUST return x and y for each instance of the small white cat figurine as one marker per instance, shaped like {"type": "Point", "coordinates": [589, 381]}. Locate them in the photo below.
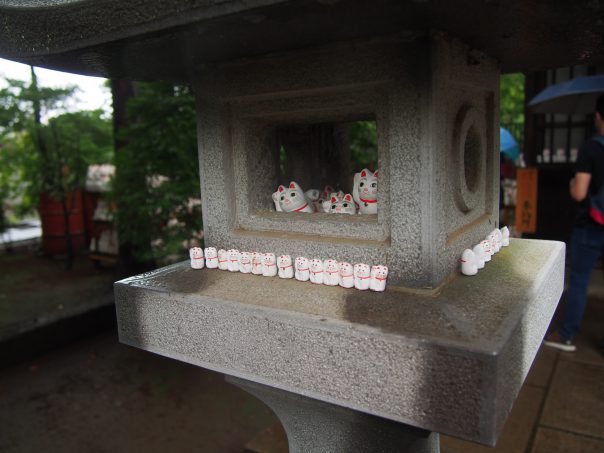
{"type": "Point", "coordinates": [331, 273]}
{"type": "Point", "coordinates": [492, 238]}
{"type": "Point", "coordinates": [362, 276]}
{"type": "Point", "coordinates": [479, 254]}
{"type": "Point", "coordinates": [233, 263]}
{"type": "Point", "coordinates": [505, 236]}
{"type": "Point", "coordinates": [196, 255]}
{"type": "Point", "coordinates": [346, 277]}
{"type": "Point", "coordinates": [293, 199]}
{"type": "Point", "coordinates": [344, 205]}
{"type": "Point", "coordinates": [302, 269]}
{"type": "Point", "coordinates": [269, 265]}
{"type": "Point", "coordinates": [468, 263]}
{"type": "Point", "coordinates": [379, 274]}
{"type": "Point", "coordinates": [223, 260]}
{"type": "Point", "coordinates": [316, 271]}
{"type": "Point", "coordinates": [488, 251]}
{"type": "Point", "coordinates": [284, 263]}
{"type": "Point", "coordinates": [257, 263]}
{"type": "Point", "coordinates": [364, 191]}
{"type": "Point", "coordinates": [245, 262]}
{"type": "Point", "coordinates": [211, 256]}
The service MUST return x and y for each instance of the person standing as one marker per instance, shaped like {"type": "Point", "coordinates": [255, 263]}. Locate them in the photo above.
{"type": "Point", "coordinates": [587, 239]}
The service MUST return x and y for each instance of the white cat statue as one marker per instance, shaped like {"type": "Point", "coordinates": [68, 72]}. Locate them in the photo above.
{"type": "Point", "coordinates": [488, 250]}
{"type": "Point", "coordinates": [492, 238]}
{"type": "Point", "coordinates": [257, 263]}
{"type": "Point", "coordinates": [345, 205]}
{"type": "Point", "coordinates": [196, 255]}
{"type": "Point", "coordinates": [468, 263]}
{"type": "Point", "coordinates": [211, 256]}
{"type": "Point", "coordinates": [379, 274]}
{"type": "Point", "coordinates": [223, 260]}
{"type": "Point", "coordinates": [479, 253]}
{"type": "Point", "coordinates": [331, 273]}
{"type": "Point", "coordinates": [498, 238]}
{"type": "Point", "coordinates": [346, 277]}
{"type": "Point", "coordinates": [245, 262]}
{"type": "Point", "coordinates": [269, 265]}
{"type": "Point", "coordinates": [505, 236]}
{"type": "Point", "coordinates": [316, 271]}
{"type": "Point", "coordinates": [302, 269]}
{"type": "Point", "coordinates": [233, 263]}
{"type": "Point", "coordinates": [293, 199]}
{"type": "Point", "coordinates": [362, 276]}
{"type": "Point", "coordinates": [284, 263]}
{"type": "Point", "coordinates": [364, 191]}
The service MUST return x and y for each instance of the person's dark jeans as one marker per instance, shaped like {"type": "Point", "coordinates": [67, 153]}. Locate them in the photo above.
{"type": "Point", "coordinates": [587, 245]}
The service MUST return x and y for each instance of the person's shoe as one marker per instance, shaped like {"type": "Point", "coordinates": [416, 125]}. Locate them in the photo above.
{"type": "Point", "coordinates": [554, 340]}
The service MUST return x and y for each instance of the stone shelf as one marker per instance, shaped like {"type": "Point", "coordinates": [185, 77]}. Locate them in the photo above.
{"type": "Point", "coordinates": [450, 360]}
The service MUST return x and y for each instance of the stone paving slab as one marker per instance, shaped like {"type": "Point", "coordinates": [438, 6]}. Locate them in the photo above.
{"type": "Point", "coordinates": [554, 441]}
{"type": "Point", "coordinates": [575, 401]}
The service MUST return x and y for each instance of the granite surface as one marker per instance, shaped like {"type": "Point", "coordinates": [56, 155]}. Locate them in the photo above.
{"type": "Point", "coordinates": [451, 362]}
{"type": "Point", "coordinates": [160, 40]}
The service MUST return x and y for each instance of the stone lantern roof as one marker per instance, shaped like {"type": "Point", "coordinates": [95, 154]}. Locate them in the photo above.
{"type": "Point", "coordinates": [164, 40]}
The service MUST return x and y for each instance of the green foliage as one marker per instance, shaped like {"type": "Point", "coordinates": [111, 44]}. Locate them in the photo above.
{"type": "Point", "coordinates": [511, 91]}
{"type": "Point", "coordinates": [363, 145]}
{"type": "Point", "coordinates": [52, 156]}
{"type": "Point", "coordinates": [157, 180]}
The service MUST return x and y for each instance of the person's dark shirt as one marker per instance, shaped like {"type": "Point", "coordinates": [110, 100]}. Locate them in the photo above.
{"type": "Point", "coordinates": [590, 160]}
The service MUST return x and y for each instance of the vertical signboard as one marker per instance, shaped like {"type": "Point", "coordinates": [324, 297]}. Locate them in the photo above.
{"type": "Point", "coordinates": [526, 200]}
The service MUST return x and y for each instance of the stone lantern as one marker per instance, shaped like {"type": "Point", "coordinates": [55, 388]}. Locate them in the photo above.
{"type": "Point", "coordinates": [344, 370]}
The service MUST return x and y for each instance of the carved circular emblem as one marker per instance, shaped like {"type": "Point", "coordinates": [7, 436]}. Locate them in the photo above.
{"type": "Point", "coordinates": [469, 158]}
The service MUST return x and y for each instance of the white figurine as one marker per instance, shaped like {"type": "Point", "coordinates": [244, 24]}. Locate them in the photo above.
{"type": "Point", "coordinates": [492, 238]}
{"type": "Point", "coordinates": [331, 273]}
{"type": "Point", "coordinates": [293, 199]}
{"type": "Point", "coordinates": [362, 276]}
{"type": "Point", "coordinates": [316, 271]}
{"type": "Point", "coordinates": [488, 251]}
{"type": "Point", "coordinates": [269, 265]}
{"type": "Point", "coordinates": [257, 263]}
{"type": "Point", "coordinates": [223, 260]}
{"type": "Point", "coordinates": [468, 263]}
{"type": "Point", "coordinates": [245, 262]}
{"type": "Point", "coordinates": [233, 263]}
{"type": "Point", "coordinates": [284, 263]}
{"type": "Point", "coordinates": [505, 236]}
{"type": "Point", "coordinates": [211, 256]}
{"type": "Point", "coordinates": [479, 253]}
{"type": "Point", "coordinates": [498, 238]}
{"type": "Point", "coordinates": [345, 205]}
{"type": "Point", "coordinates": [302, 269]}
{"type": "Point", "coordinates": [346, 276]}
{"type": "Point", "coordinates": [379, 274]}
{"type": "Point", "coordinates": [196, 255]}
{"type": "Point", "coordinates": [364, 191]}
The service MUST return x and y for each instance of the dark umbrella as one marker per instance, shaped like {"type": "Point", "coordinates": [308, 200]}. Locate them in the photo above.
{"type": "Point", "coordinates": [575, 96]}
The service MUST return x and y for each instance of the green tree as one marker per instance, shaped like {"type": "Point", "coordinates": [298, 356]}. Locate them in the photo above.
{"type": "Point", "coordinates": [157, 175]}
{"type": "Point", "coordinates": [511, 108]}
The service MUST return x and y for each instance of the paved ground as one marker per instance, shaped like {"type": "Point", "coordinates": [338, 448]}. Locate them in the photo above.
{"type": "Point", "coordinates": [99, 396]}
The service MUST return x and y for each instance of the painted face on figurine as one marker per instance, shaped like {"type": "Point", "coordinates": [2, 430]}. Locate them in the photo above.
{"type": "Point", "coordinates": [346, 276]}
{"type": "Point", "coordinates": [292, 199]}
{"type": "Point", "coordinates": [368, 185]}
{"type": "Point", "coordinates": [362, 276]}
{"type": "Point", "coordinates": [345, 205]}
{"type": "Point", "coordinates": [210, 253]}
{"type": "Point", "coordinates": [196, 253]}
{"type": "Point", "coordinates": [379, 274]}
{"type": "Point", "coordinates": [301, 263]}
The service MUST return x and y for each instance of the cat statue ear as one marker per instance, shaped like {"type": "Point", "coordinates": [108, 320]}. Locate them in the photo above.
{"type": "Point", "coordinates": [294, 185]}
{"type": "Point", "coordinates": [348, 197]}
{"type": "Point", "coordinates": [334, 199]}
{"type": "Point", "coordinates": [364, 173]}
{"type": "Point", "coordinates": [375, 173]}
{"type": "Point", "coordinates": [280, 188]}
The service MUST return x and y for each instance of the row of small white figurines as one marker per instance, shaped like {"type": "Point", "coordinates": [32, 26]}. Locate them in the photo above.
{"type": "Point", "coordinates": [322, 272]}
{"type": "Point", "coordinates": [474, 259]}
{"type": "Point", "coordinates": [362, 201]}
